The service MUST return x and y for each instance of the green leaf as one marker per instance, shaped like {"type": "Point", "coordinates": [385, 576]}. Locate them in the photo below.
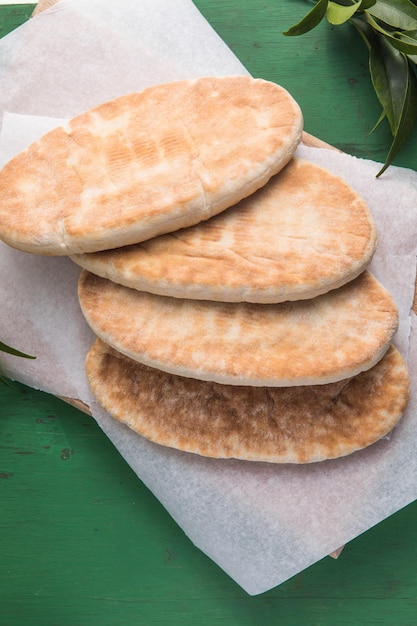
{"type": "Point", "coordinates": [377, 123]}
{"type": "Point", "coordinates": [5, 348]}
{"type": "Point", "coordinates": [395, 84]}
{"type": "Point", "coordinates": [408, 37]}
{"type": "Point", "coordinates": [403, 45]}
{"type": "Point", "coordinates": [389, 72]}
{"type": "Point", "coordinates": [364, 30]}
{"type": "Point", "coordinates": [386, 93]}
{"type": "Point", "coordinates": [311, 20]}
{"type": "Point", "coordinates": [406, 124]}
{"type": "Point", "coordinates": [389, 30]}
{"type": "Point", "coordinates": [407, 46]}
{"type": "Point", "coordinates": [397, 13]}
{"type": "Point", "coordinates": [339, 14]}
{"type": "Point", "coordinates": [366, 4]}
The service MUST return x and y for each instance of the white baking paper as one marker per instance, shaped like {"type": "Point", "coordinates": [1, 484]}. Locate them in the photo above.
{"type": "Point", "coordinates": [261, 523]}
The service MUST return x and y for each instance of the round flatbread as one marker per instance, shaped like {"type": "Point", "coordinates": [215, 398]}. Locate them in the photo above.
{"type": "Point", "coordinates": [302, 234]}
{"type": "Point", "coordinates": [147, 163]}
{"type": "Point", "coordinates": [328, 338]}
{"type": "Point", "coordinates": [281, 425]}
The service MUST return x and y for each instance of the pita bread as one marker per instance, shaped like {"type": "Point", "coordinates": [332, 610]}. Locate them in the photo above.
{"type": "Point", "coordinates": [304, 233]}
{"type": "Point", "coordinates": [147, 163]}
{"type": "Point", "coordinates": [308, 342]}
{"type": "Point", "coordinates": [285, 425]}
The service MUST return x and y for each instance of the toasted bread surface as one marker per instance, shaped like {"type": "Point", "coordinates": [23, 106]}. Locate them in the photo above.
{"type": "Point", "coordinates": [147, 163]}
{"type": "Point", "coordinates": [304, 233]}
{"type": "Point", "coordinates": [280, 425]}
{"type": "Point", "coordinates": [325, 339]}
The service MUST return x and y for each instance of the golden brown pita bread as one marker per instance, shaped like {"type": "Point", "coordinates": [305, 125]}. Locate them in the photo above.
{"type": "Point", "coordinates": [302, 234]}
{"type": "Point", "coordinates": [284, 425]}
{"type": "Point", "coordinates": [328, 338]}
{"type": "Point", "coordinates": [147, 163]}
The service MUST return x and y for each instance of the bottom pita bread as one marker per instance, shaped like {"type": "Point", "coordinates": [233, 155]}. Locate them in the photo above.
{"type": "Point", "coordinates": [279, 425]}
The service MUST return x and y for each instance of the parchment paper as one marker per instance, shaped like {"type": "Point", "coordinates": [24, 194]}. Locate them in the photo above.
{"type": "Point", "coordinates": [261, 523]}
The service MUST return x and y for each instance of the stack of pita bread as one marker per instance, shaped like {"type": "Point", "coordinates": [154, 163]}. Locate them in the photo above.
{"type": "Point", "coordinates": [225, 279]}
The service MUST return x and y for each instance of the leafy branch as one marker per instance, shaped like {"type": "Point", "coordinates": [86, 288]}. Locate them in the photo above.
{"type": "Point", "coordinates": [389, 30]}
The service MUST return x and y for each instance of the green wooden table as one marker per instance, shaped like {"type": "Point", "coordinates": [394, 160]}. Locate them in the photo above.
{"type": "Point", "coordinates": [82, 540]}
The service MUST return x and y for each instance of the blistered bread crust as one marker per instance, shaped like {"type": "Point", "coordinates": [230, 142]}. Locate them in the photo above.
{"type": "Point", "coordinates": [147, 163]}
{"type": "Point", "coordinates": [304, 233]}
{"type": "Point", "coordinates": [328, 338]}
{"type": "Point", "coordinates": [281, 425]}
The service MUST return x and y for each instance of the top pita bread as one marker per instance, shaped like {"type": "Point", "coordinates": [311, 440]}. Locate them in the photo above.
{"type": "Point", "coordinates": [302, 234]}
{"type": "Point", "coordinates": [147, 163]}
{"type": "Point", "coordinates": [280, 425]}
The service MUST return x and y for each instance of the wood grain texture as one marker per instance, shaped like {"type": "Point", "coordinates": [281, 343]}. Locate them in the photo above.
{"type": "Point", "coordinates": [83, 541]}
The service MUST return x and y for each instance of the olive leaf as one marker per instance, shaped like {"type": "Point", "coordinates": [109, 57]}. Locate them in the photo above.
{"type": "Point", "coordinates": [410, 36]}
{"type": "Point", "coordinates": [400, 14]}
{"type": "Point", "coordinates": [338, 14]}
{"type": "Point", "coordinates": [400, 41]}
{"type": "Point", "coordinates": [396, 87]}
{"type": "Point", "coordinates": [5, 348]}
{"type": "Point", "coordinates": [389, 30]}
{"type": "Point", "coordinates": [312, 19]}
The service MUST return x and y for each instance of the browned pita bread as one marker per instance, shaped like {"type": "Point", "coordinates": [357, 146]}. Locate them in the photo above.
{"type": "Point", "coordinates": [302, 234]}
{"type": "Point", "coordinates": [285, 425]}
{"type": "Point", "coordinates": [146, 164]}
{"type": "Point", "coordinates": [321, 340]}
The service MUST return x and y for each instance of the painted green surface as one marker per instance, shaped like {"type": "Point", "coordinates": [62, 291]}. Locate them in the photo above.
{"type": "Point", "coordinates": [12, 16]}
{"type": "Point", "coordinates": [82, 541]}
{"type": "Point", "coordinates": [326, 70]}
